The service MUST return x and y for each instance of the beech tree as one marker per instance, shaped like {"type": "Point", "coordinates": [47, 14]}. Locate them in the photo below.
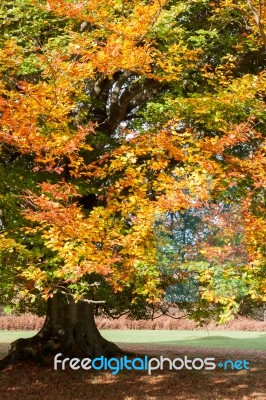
{"type": "Point", "coordinates": [115, 114]}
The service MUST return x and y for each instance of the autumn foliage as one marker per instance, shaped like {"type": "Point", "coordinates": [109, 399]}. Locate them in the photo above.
{"type": "Point", "coordinates": [113, 113]}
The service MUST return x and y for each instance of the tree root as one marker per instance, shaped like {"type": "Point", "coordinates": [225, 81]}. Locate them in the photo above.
{"type": "Point", "coordinates": [39, 348]}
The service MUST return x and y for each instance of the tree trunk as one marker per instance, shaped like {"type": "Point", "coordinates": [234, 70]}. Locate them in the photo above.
{"type": "Point", "coordinates": [69, 328]}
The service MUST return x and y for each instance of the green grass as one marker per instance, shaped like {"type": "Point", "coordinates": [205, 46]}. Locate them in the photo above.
{"type": "Point", "coordinates": [10, 336]}
{"type": "Point", "coordinates": [213, 339]}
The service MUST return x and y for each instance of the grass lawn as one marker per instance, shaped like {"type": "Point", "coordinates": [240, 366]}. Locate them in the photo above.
{"type": "Point", "coordinates": [212, 339]}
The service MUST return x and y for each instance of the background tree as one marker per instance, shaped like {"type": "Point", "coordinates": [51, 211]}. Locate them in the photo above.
{"type": "Point", "coordinates": [110, 114]}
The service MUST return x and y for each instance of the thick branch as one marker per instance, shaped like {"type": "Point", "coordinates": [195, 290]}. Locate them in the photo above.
{"type": "Point", "coordinates": [258, 19]}
{"type": "Point", "coordinates": [135, 94]}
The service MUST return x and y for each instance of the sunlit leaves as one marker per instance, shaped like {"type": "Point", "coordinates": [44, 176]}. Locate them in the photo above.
{"type": "Point", "coordinates": [197, 139]}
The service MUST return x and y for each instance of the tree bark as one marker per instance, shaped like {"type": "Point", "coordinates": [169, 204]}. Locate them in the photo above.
{"type": "Point", "coordinates": [69, 328]}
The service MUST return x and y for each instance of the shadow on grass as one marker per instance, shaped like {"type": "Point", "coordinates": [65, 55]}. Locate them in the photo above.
{"type": "Point", "coordinates": [28, 382]}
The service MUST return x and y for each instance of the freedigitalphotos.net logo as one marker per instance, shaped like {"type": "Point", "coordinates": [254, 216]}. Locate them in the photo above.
{"type": "Point", "coordinates": [146, 364]}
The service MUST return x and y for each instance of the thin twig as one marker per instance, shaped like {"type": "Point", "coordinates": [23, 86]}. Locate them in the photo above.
{"type": "Point", "coordinates": [93, 301]}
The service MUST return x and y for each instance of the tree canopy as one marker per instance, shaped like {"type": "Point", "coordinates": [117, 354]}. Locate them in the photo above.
{"type": "Point", "coordinates": [117, 114]}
